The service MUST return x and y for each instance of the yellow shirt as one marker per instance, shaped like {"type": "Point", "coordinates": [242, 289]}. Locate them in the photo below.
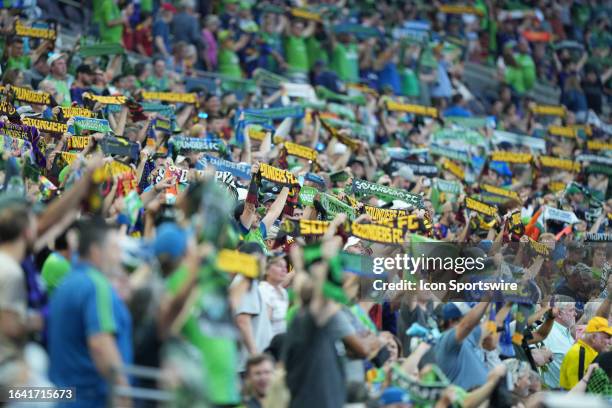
{"type": "Point", "coordinates": [569, 367]}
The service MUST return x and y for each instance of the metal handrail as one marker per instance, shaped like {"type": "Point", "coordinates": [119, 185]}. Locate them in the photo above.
{"type": "Point", "coordinates": [141, 393]}
{"type": "Point", "coordinates": [147, 394]}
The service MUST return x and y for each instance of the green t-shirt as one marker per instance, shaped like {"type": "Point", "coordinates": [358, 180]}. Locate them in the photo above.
{"type": "Point", "coordinates": [154, 83]}
{"type": "Point", "coordinates": [274, 42]}
{"type": "Point", "coordinates": [345, 62]}
{"type": "Point", "coordinates": [21, 63]}
{"type": "Point", "coordinates": [410, 83]}
{"type": "Point", "coordinates": [63, 88]}
{"type": "Point", "coordinates": [315, 52]}
{"type": "Point", "coordinates": [97, 10]}
{"type": "Point", "coordinates": [297, 56]}
{"type": "Point", "coordinates": [109, 12]}
{"type": "Point", "coordinates": [219, 354]}
{"type": "Point", "coordinates": [53, 270]}
{"type": "Point", "coordinates": [256, 235]}
{"type": "Point", "coordinates": [229, 64]}
{"type": "Point", "coordinates": [514, 77]}
{"type": "Point", "coordinates": [527, 68]}
{"type": "Point", "coordinates": [146, 5]}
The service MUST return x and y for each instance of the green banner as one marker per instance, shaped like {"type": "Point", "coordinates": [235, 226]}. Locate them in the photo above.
{"type": "Point", "coordinates": [95, 125]}
{"type": "Point", "coordinates": [471, 137]}
{"type": "Point", "coordinates": [448, 186]}
{"type": "Point", "coordinates": [325, 93]}
{"type": "Point", "coordinates": [446, 151]}
{"type": "Point", "coordinates": [307, 195]}
{"type": "Point", "coordinates": [333, 207]}
{"type": "Point", "coordinates": [341, 110]}
{"type": "Point", "coordinates": [363, 187]}
{"type": "Point", "coordinates": [97, 50]}
{"type": "Point", "coordinates": [474, 122]}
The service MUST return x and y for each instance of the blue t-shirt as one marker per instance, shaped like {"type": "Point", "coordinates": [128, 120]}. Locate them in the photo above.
{"type": "Point", "coordinates": [162, 29]}
{"type": "Point", "coordinates": [457, 111]}
{"type": "Point", "coordinates": [389, 76]}
{"type": "Point", "coordinates": [85, 304]}
{"type": "Point", "coordinates": [443, 87]}
{"type": "Point", "coordinates": [462, 362]}
{"type": "Point", "coordinates": [76, 94]}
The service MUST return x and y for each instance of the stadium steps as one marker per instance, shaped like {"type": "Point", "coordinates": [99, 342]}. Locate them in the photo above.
{"type": "Point", "coordinates": [482, 80]}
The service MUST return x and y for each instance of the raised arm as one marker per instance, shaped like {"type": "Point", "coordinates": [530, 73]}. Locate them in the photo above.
{"type": "Point", "coordinates": [309, 29]}
{"type": "Point", "coordinates": [118, 125]}
{"type": "Point", "coordinates": [544, 330]}
{"type": "Point", "coordinates": [470, 321]}
{"type": "Point", "coordinates": [248, 213]}
{"type": "Point", "coordinates": [276, 209]}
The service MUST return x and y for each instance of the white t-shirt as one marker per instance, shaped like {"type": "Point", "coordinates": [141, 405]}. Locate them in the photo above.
{"type": "Point", "coordinates": [276, 299]}
{"type": "Point", "coordinates": [252, 304]}
{"type": "Point", "coordinates": [13, 292]}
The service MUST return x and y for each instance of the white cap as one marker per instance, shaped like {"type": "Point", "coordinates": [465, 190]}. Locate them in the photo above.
{"type": "Point", "coordinates": [405, 172]}
{"type": "Point", "coordinates": [54, 57]}
{"type": "Point", "coordinates": [351, 241]}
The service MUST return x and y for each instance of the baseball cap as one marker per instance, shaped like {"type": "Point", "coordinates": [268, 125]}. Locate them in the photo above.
{"type": "Point", "coordinates": [272, 232]}
{"type": "Point", "coordinates": [454, 310]}
{"type": "Point", "coordinates": [573, 189]}
{"type": "Point", "coordinates": [277, 255]}
{"type": "Point", "coordinates": [351, 241]}
{"type": "Point", "coordinates": [212, 19]}
{"type": "Point", "coordinates": [170, 240]}
{"type": "Point", "coordinates": [314, 178]}
{"type": "Point", "coordinates": [27, 111]}
{"type": "Point", "coordinates": [223, 35]}
{"type": "Point", "coordinates": [356, 160]}
{"type": "Point", "coordinates": [405, 172]}
{"type": "Point", "coordinates": [582, 269]}
{"type": "Point", "coordinates": [268, 197]}
{"type": "Point", "coordinates": [85, 69]}
{"type": "Point", "coordinates": [54, 57]}
{"type": "Point", "coordinates": [598, 325]}
{"type": "Point", "coordinates": [168, 7]}
{"type": "Point", "coordinates": [394, 395]}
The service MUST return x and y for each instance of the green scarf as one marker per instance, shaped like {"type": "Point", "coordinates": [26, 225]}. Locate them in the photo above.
{"type": "Point", "coordinates": [363, 187]}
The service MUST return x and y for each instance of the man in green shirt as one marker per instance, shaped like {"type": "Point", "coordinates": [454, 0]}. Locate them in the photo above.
{"type": "Point", "coordinates": [526, 64]}
{"type": "Point", "coordinates": [219, 354]}
{"type": "Point", "coordinates": [60, 78]}
{"type": "Point", "coordinates": [295, 46]}
{"type": "Point", "coordinates": [159, 80]}
{"type": "Point", "coordinates": [111, 22]}
{"type": "Point", "coordinates": [345, 59]}
{"type": "Point", "coordinates": [254, 229]}
{"type": "Point", "coordinates": [15, 57]}
{"type": "Point", "coordinates": [227, 58]}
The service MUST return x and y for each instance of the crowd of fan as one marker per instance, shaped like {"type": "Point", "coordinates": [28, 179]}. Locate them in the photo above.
{"type": "Point", "coordinates": [222, 233]}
